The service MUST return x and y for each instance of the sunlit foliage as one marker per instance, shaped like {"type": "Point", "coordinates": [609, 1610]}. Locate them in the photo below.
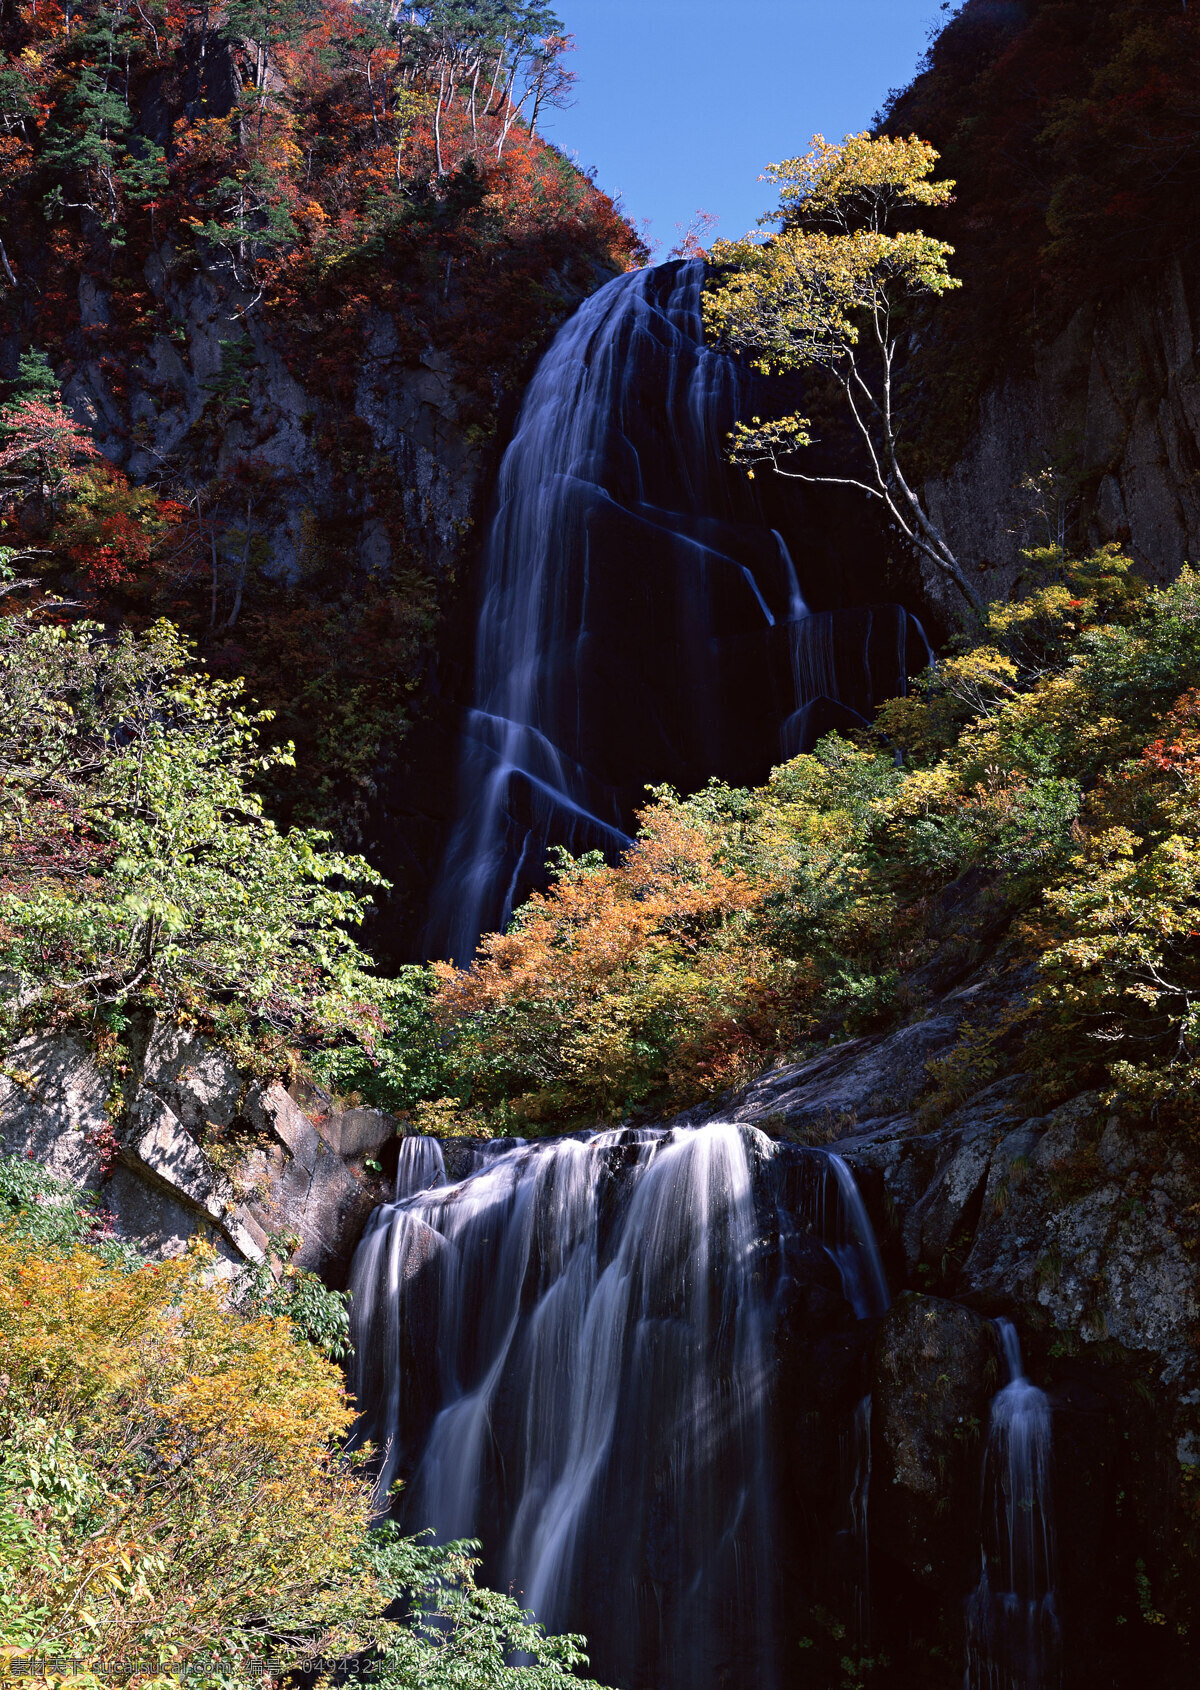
{"type": "Point", "coordinates": [1045, 801]}
{"type": "Point", "coordinates": [137, 859]}
{"type": "Point", "coordinates": [174, 1495]}
{"type": "Point", "coordinates": [828, 291]}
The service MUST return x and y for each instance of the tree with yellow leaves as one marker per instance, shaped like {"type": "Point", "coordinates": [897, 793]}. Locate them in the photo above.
{"type": "Point", "coordinates": [828, 291]}
{"type": "Point", "coordinates": [177, 1506]}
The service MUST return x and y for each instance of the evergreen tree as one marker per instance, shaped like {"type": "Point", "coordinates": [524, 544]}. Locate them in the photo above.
{"type": "Point", "coordinates": [35, 379]}
{"type": "Point", "coordinates": [92, 146]}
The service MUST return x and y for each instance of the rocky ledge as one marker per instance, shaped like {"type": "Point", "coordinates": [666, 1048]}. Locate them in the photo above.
{"type": "Point", "coordinates": [180, 1145]}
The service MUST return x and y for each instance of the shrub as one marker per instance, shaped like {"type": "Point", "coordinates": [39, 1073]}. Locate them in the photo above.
{"type": "Point", "coordinates": [1053, 767]}
{"type": "Point", "coordinates": [173, 1489]}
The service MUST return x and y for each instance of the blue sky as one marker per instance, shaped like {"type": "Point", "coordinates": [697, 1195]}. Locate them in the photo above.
{"type": "Point", "coordinates": [680, 103]}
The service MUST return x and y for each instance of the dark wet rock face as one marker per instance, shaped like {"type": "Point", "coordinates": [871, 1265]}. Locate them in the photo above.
{"type": "Point", "coordinates": [1080, 1227]}
{"type": "Point", "coordinates": [933, 1373]}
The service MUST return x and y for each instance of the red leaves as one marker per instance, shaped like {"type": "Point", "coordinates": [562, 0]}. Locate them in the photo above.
{"type": "Point", "coordinates": [111, 529]}
{"type": "Point", "coordinates": [33, 430]}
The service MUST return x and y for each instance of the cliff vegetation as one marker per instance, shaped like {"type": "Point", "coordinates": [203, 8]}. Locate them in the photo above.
{"type": "Point", "coordinates": [210, 215]}
{"type": "Point", "coordinates": [174, 1502]}
{"type": "Point", "coordinates": [1029, 811]}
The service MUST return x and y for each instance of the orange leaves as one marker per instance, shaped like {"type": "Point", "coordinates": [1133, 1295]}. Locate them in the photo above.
{"type": "Point", "coordinates": [641, 984]}
{"type": "Point", "coordinates": [195, 1449]}
{"type": "Point", "coordinates": [1177, 752]}
{"type": "Point", "coordinates": [594, 924]}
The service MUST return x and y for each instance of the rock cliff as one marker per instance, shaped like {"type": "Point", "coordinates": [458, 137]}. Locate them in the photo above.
{"type": "Point", "coordinates": [177, 1144]}
{"type": "Point", "coordinates": [1112, 408]}
{"type": "Point", "coordinates": [1082, 1229]}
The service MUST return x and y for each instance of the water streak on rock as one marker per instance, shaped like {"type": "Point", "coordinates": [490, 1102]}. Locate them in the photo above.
{"type": "Point", "coordinates": [1013, 1638]}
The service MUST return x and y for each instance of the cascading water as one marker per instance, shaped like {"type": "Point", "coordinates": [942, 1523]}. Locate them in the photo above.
{"type": "Point", "coordinates": [846, 1226]}
{"type": "Point", "coordinates": [420, 1164]}
{"type": "Point", "coordinates": [639, 620]}
{"type": "Point", "coordinates": [570, 1354]}
{"type": "Point", "coordinates": [1012, 1621]}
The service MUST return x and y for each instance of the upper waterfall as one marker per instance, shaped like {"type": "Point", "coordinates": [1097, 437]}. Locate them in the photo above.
{"type": "Point", "coordinates": [640, 620]}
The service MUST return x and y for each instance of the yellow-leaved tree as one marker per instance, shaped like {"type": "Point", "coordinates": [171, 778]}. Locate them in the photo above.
{"type": "Point", "coordinates": [829, 290]}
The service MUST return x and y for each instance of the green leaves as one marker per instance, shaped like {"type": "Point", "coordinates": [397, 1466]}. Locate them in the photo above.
{"type": "Point", "coordinates": [92, 146]}
{"type": "Point", "coordinates": [460, 1636]}
{"type": "Point", "coordinates": [127, 797]}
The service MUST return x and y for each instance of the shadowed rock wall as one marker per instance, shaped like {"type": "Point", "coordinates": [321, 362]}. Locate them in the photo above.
{"type": "Point", "coordinates": [1113, 407]}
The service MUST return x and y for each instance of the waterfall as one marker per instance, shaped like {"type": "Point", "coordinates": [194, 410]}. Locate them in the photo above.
{"type": "Point", "coordinates": [419, 1165]}
{"type": "Point", "coordinates": [849, 1237]}
{"type": "Point", "coordinates": [1012, 1621]}
{"type": "Point", "coordinates": [639, 619]}
{"type": "Point", "coordinates": [569, 1354]}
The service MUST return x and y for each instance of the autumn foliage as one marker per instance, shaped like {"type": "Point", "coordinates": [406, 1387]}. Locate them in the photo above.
{"type": "Point", "coordinates": [1043, 816]}
{"type": "Point", "coordinates": [318, 159]}
{"type": "Point", "coordinates": [294, 176]}
{"type": "Point", "coordinates": [202, 1443]}
{"type": "Point", "coordinates": [610, 966]}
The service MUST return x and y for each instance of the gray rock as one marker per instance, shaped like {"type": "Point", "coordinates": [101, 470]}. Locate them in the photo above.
{"type": "Point", "coordinates": [866, 1082]}
{"type": "Point", "coordinates": [163, 1148]}
{"type": "Point", "coordinates": [305, 1187]}
{"type": "Point", "coordinates": [336, 1209]}
{"type": "Point", "coordinates": [933, 1373]}
{"type": "Point", "coordinates": [273, 1111]}
{"type": "Point", "coordinates": [150, 1217]}
{"type": "Point", "coordinates": [354, 1132]}
{"type": "Point", "coordinates": [198, 1082]}
{"type": "Point", "coordinates": [52, 1106]}
{"type": "Point", "coordinates": [1102, 1253]}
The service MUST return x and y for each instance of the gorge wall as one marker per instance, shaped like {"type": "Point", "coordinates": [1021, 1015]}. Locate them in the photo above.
{"type": "Point", "coordinates": [1068, 127]}
{"type": "Point", "coordinates": [1112, 408]}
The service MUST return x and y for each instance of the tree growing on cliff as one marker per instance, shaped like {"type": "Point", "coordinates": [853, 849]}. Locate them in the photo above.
{"type": "Point", "coordinates": [135, 856]}
{"type": "Point", "coordinates": [830, 291]}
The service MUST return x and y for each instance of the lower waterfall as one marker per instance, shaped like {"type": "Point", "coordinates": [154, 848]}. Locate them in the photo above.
{"type": "Point", "coordinates": [1012, 1621]}
{"type": "Point", "coordinates": [570, 1354]}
